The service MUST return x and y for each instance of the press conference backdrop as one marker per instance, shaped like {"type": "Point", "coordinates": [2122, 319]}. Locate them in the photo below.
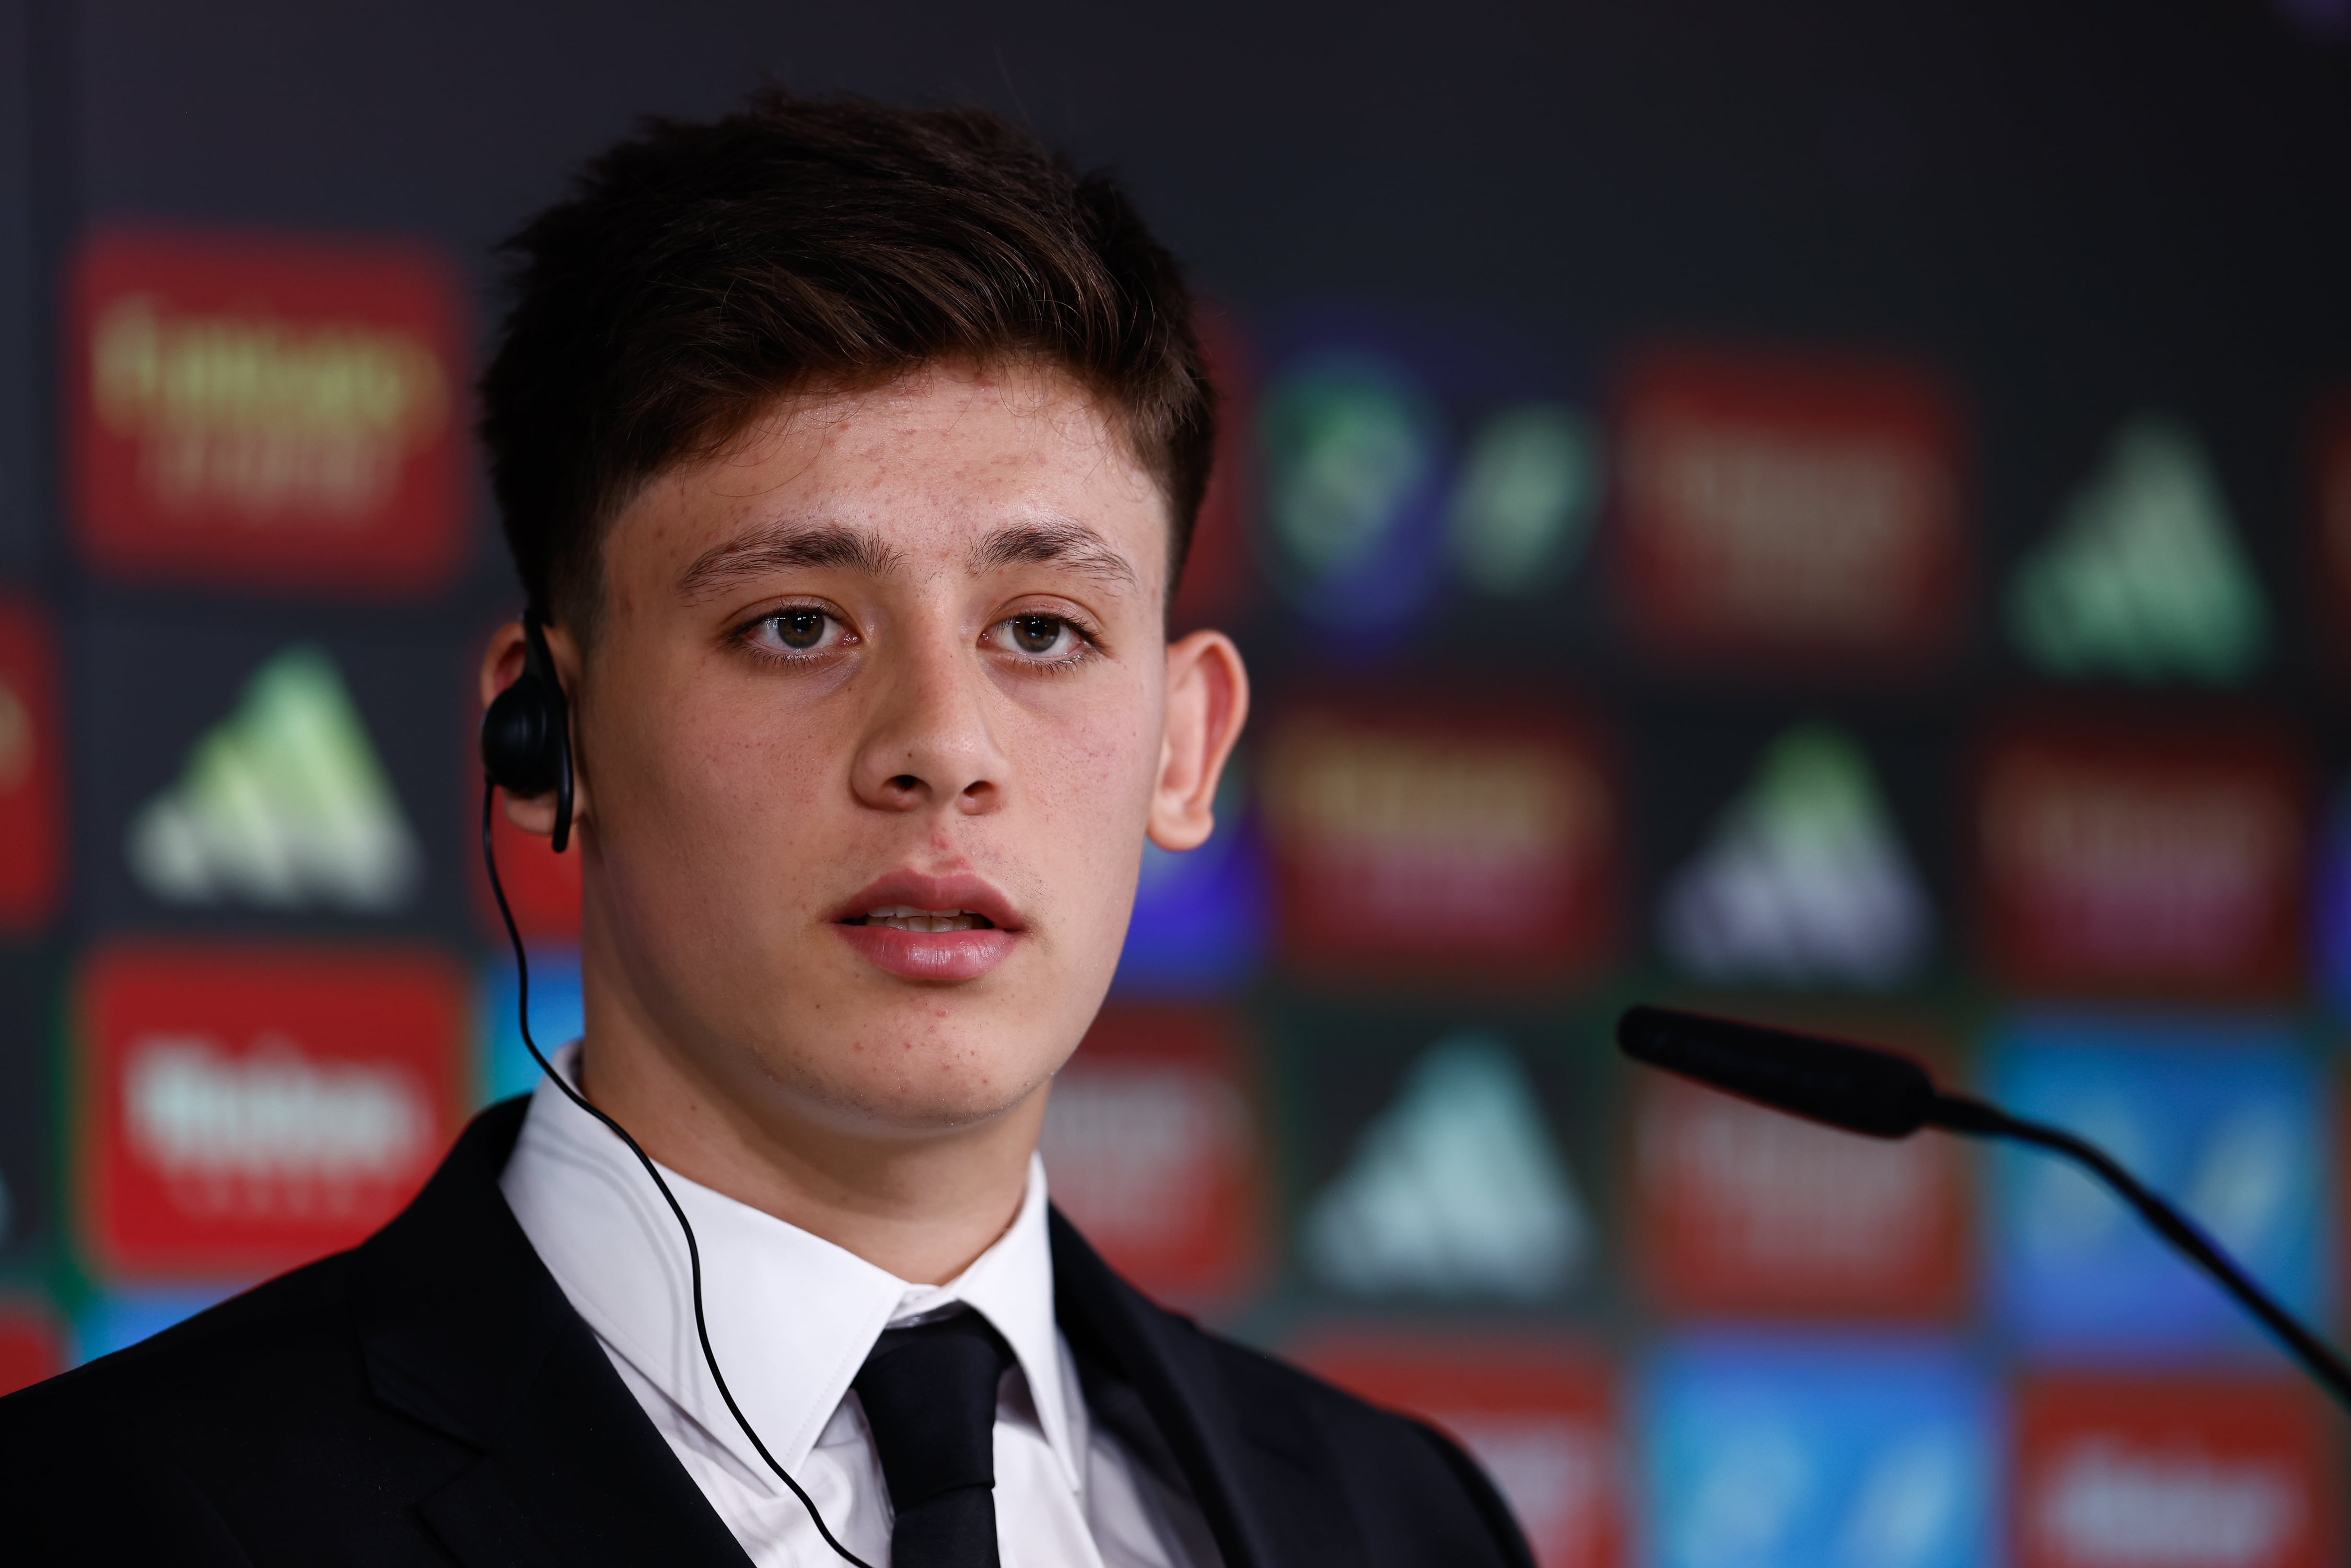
{"type": "Point", "coordinates": [1833, 512]}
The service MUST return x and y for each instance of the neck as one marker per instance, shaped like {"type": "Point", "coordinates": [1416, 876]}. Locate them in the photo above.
{"type": "Point", "coordinates": [920, 1204]}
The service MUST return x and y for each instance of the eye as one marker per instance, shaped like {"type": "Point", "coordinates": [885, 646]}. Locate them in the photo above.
{"type": "Point", "coordinates": [799, 629]}
{"type": "Point", "coordinates": [1038, 636]}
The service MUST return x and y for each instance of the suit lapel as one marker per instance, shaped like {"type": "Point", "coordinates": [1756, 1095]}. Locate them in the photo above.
{"type": "Point", "coordinates": [1257, 1469]}
{"type": "Point", "coordinates": [463, 1328]}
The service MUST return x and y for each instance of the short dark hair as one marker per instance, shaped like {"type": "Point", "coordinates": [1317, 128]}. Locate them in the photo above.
{"type": "Point", "coordinates": [698, 272]}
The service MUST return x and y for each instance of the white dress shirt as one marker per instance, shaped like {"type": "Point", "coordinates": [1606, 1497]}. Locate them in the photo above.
{"type": "Point", "coordinates": [791, 1319]}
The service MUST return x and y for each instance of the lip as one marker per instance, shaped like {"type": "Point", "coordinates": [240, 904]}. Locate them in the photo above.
{"type": "Point", "coordinates": [947, 955]}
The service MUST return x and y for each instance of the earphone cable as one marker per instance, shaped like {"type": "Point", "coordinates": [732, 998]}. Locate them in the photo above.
{"type": "Point", "coordinates": [693, 1251]}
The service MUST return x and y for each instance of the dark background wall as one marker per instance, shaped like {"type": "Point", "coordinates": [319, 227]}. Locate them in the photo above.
{"type": "Point", "coordinates": [2068, 214]}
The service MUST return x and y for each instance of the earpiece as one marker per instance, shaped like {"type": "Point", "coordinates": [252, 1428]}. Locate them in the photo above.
{"type": "Point", "coordinates": [527, 733]}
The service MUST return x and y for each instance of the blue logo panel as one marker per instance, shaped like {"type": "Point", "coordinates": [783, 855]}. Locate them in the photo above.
{"type": "Point", "coordinates": [1806, 1452]}
{"type": "Point", "coordinates": [120, 1319]}
{"type": "Point", "coordinates": [1399, 454]}
{"type": "Point", "coordinates": [2224, 1116]}
{"type": "Point", "coordinates": [555, 1019]}
{"type": "Point", "coordinates": [1201, 917]}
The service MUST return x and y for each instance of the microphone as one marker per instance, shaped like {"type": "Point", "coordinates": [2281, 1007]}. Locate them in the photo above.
{"type": "Point", "coordinates": [1880, 1094]}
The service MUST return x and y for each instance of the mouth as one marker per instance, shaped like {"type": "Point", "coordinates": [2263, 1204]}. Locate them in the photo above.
{"type": "Point", "coordinates": [898, 917]}
{"type": "Point", "coordinates": [931, 928]}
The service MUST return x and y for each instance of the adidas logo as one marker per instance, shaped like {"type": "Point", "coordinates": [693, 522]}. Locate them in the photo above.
{"type": "Point", "coordinates": [282, 804]}
{"type": "Point", "coordinates": [1804, 881]}
{"type": "Point", "coordinates": [1454, 1190]}
{"type": "Point", "coordinates": [2143, 577]}
{"type": "Point", "coordinates": [2104, 1506]}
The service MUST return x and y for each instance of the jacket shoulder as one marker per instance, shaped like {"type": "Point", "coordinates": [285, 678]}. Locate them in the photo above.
{"type": "Point", "coordinates": [119, 1459]}
{"type": "Point", "coordinates": [285, 1331]}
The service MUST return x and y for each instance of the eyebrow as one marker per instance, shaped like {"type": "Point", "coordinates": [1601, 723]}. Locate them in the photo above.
{"type": "Point", "coordinates": [785, 547]}
{"type": "Point", "coordinates": [1062, 543]}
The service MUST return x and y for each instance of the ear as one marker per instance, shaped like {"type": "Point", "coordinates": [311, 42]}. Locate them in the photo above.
{"type": "Point", "coordinates": [1208, 702]}
{"type": "Point", "coordinates": [502, 662]}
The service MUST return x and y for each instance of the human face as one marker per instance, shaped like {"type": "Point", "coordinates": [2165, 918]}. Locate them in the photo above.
{"type": "Point", "coordinates": [876, 721]}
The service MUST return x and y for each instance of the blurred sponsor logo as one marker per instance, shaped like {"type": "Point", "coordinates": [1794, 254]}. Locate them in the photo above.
{"type": "Point", "coordinates": [1420, 841]}
{"type": "Point", "coordinates": [2226, 1117]}
{"type": "Point", "coordinates": [1154, 1151]}
{"type": "Point", "coordinates": [1744, 1209]}
{"type": "Point", "coordinates": [251, 1108]}
{"type": "Point", "coordinates": [32, 826]}
{"type": "Point", "coordinates": [1795, 510]}
{"type": "Point", "coordinates": [1523, 511]}
{"type": "Point", "coordinates": [2172, 1473]}
{"type": "Point", "coordinates": [1804, 881]}
{"type": "Point", "coordinates": [2142, 578]}
{"type": "Point", "coordinates": [32, 1346]}
{"type": "Point", "coordinates": [1455, 1189]}
{"type": "Point", "coordinates": [1537, 1414]}
{"type": "Point", "coordinates": [246, 1133]}
{"type": "Point", "coordinates": [281, 804]}
{"type": "Point", "coordinates": [2165, 861]}
{"type": "Point", "coordinates": [1355, 460]}
{"type": "Point", "coordinates": [1392, 450]}
{"type": "Point", "coordinates": [267, 410]}
{"type": "Point", "coordinates": [1763, 1452]}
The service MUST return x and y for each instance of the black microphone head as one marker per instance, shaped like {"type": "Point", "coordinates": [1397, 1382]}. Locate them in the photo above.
{"type": "Point", "coordinates": [1853, 1087]}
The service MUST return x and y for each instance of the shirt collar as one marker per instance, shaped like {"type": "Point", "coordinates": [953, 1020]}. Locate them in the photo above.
{"type": "Point", "coordinates": [791, 1316]}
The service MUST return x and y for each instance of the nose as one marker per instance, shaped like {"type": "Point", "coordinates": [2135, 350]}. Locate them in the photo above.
{"type": "Point", "coordinates": [928, 743]}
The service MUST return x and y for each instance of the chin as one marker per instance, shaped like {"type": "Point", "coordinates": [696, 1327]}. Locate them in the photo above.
{"type": "Point", "coordinates": [918, 1108]}
{"type": "Point", "coordinates": [933, 1086]}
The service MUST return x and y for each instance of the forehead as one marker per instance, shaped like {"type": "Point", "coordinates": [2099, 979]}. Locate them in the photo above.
{"type": "Point", "coordinates": [927, 468]}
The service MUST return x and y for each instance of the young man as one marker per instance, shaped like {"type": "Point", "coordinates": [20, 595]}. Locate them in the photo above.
{"type": "Point", "coordinates": [850, 457]}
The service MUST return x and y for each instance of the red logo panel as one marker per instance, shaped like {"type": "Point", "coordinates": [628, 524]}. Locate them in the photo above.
{"type": "Point", "coordinates": [1799, 511]}
{"type": "Point", "coordinates": [246, 1108]}
{"type": "Point", "coordinates": [1742, 1209]}
{"type": "Point", "coordinates": [2188, 1473]}
{"type": "Point", "coordinates": [1154, 1150]}
{"type": "Point", "coordinates": [266, 412]}
{"type": "Point", "coordinates": [32, 815]}
{"type": "Point", "coordinates": [2167, 861]}
{"type": "Point", "coordinates": [1538, 1413]}
{"type": "Point", "coordinates": [31, 1346]}
{"type": "Point", "coordinates": [1411, 840]}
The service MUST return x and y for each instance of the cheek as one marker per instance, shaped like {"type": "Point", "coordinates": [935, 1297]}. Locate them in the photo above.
{"type": "Point", "coordinates": [1093, 798]}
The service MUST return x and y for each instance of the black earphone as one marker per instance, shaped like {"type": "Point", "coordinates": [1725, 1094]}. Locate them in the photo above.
{"type": "Point", "coordinates": [527, 733]}
{"type": "Point", "coordinates": [526, 751]}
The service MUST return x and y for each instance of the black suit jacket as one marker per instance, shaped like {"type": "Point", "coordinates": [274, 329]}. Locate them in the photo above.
{"type": "Point", "coordinates": [430, 1397]}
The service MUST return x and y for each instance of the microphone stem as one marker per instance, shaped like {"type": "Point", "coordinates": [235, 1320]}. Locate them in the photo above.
{"type": "Point", "coordinates": [1958, 1113]}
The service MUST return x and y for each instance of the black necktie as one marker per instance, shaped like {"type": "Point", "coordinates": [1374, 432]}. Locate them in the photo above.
{"type": "Point", "coordinates": [929, 1394]}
